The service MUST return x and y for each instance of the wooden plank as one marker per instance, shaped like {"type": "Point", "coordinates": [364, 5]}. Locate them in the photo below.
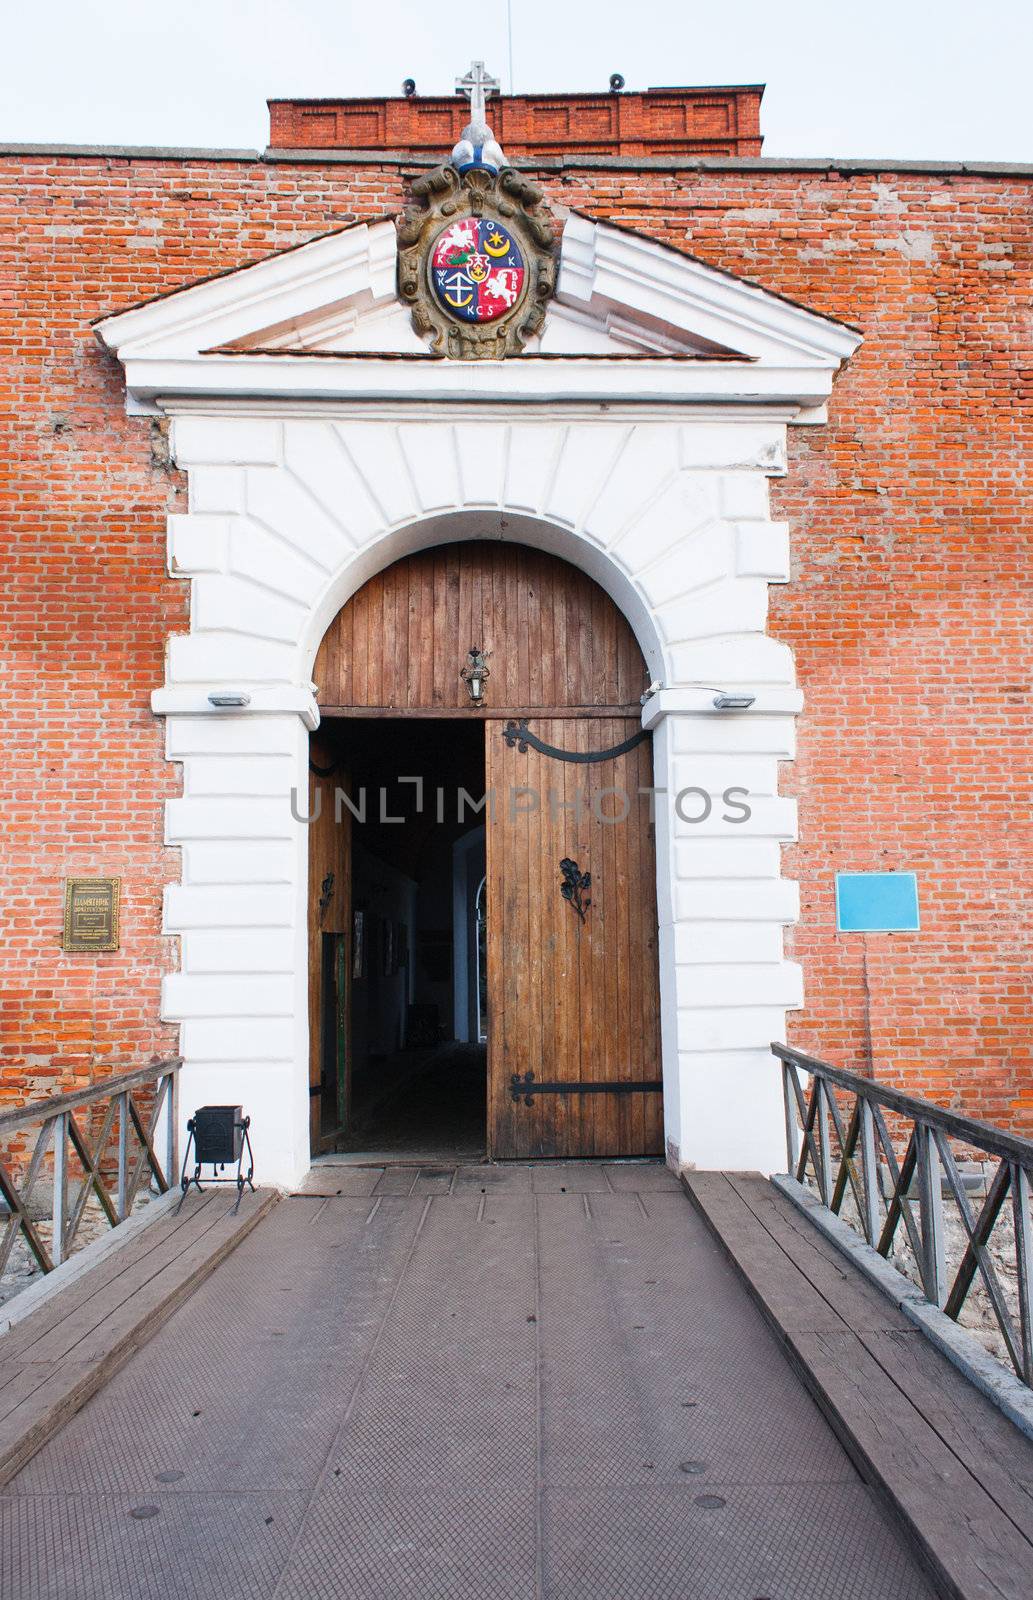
{"type": "Point", "coordinates": [537, 1023]}
{"type": "Point", "coordinates": [18, 1341]}
{"type": "Point", "coordinates": [179, 1277]}
{"type": "Point", "coordinates": [422, 682]}
{"type": "Point", "coordinates": [569, 1122]}
{"type": "Point", "coordinates": [452, 642]}
{"type": "Point", "coordinates": [858, 1302]}
{"type": "Point", "coordinates": [969, 1544]}
{"type": "Point", "coordinates": [537, 582]}
{"type": "Point", "coordinates": [379, 665]}
{"type": "Point", "coordinates": [645, 940]}
{"type": "Point", "coordinates": [516, 943]}
{"type": "Point", "coordinates": [626, 889]}
{"type": "Point", "coordinates": [915, 1429]}
{"type": "Point", "coordinates": [576, 839]}
{"type": "Point", "coordinates": [388, 644]}
{"type": "Point", "coordinates": [50, 1332]}
{"type": "Point", "coordinates": [518, 654]}
{"type": "Point", "coordinates": [85, 1314]}
{"type": "Point", "coordinates": [69, 1381]}
{"type": "Point", "coordinates": [965, 1419]}
{"type": "Point", "coordinates": [20, 1382]}
{"type": "Point", "coordinates": [63, 1317]}
{"type": "Point", "coordinates": [441, 647]}
{"type": "Point", "coordinates": [553, 999]}
{"type": "Point", "coordinates": [498, 1132]}
{"type": "Point", "coordinates": [10, 1372]}
{"type": "Point", "coordinates": [790, 1302]}
{"type": "Point", "coordinates": [329, 1182]}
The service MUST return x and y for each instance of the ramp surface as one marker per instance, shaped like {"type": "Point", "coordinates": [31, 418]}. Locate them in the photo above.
{"type": "Point", "coordinates": [485, 1382]}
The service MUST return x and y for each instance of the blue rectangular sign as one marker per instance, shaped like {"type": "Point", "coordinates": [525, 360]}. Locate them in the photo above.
{"type": "Point", "coordinates": [876, 902]}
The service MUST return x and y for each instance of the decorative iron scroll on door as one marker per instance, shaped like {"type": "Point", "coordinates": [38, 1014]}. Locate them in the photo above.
{"type": "Point", "coordinates": [520, 735]}
{"type": "Point", "coordinates": [524, 1088]}
{"type": "Point", "coordinates": [573, 886]}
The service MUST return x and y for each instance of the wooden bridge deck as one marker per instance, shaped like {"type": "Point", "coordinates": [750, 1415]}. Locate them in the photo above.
{"type": "Point", "coordinates": [516, 1381]}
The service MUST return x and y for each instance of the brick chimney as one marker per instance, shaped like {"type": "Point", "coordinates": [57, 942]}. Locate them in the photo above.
{"type": "Point", "coordinates": [658, 122]}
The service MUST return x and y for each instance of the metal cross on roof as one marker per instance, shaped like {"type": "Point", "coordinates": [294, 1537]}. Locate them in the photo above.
{"type": "Point", "coordinates": [477, 84]}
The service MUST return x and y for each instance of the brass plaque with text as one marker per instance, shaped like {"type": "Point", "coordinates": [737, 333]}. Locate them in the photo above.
{"type": "Point", "coordinates": [91, 914]}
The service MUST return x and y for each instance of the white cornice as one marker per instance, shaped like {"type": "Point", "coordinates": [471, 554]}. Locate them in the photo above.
{"type": "Point", "coordinates": [601, 380]}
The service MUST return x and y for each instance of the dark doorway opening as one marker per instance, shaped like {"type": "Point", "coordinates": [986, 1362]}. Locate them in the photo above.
{"type": "Point", "coordinates": [573, 990]}
{"type": "Point", "coordinates": [413, 1029]}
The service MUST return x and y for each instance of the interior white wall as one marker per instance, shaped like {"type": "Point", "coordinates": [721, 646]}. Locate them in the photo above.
{"type": "Point", "coordinates": [288, 515]}
{"type": "Point", "coordinates": [467, 849]}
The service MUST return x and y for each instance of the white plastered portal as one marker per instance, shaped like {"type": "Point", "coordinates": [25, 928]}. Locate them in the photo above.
{"type": "Point", "coordinates": [309, 471]}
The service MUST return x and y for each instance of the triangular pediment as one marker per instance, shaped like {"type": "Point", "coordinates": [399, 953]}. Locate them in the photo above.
{"type": "Point", "coordinates": [619, 295]}
{"type": "Point", "coordinates": [316, 297]}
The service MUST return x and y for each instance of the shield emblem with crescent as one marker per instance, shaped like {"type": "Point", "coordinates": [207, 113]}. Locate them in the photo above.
{"type": "Point", "coordinates": [477, 269]}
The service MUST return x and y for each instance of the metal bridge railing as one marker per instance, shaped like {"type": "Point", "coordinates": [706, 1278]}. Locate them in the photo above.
{"type": "Point", "coordinates": [838, 1137]}
{"type": "Point", "coordinates": [109, 1162]}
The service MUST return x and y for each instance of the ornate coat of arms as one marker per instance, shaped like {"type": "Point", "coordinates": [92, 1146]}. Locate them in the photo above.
{"type": "Point", "coordinates": [476, 259]}
{"type": "Point", "coordinates": [477, 269]}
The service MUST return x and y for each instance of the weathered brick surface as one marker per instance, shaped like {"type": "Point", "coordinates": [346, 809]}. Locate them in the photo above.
{"type": "Point", "coordinates": [909, 610]}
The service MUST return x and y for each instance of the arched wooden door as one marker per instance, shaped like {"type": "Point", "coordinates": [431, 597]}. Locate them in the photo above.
{"type": "Point", "coordinates": [573, 1004]}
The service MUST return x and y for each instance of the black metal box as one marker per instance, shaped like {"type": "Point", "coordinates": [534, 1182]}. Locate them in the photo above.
{"type": "Point", "coordinates": [218, 1133]}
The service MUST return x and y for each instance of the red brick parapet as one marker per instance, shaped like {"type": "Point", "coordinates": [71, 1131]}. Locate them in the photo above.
{"type": "Point", "coordinates": [702, 122]}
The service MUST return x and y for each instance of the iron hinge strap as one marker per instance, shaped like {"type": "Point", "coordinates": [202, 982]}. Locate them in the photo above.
{"type": "Point", "coordinates": [524, 1087]}
{"type": "Point", "coordinates": [520, 735]}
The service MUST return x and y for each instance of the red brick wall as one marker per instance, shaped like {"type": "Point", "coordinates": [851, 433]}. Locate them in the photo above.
{"type": "Point", "coordinates": [86, 604]}
{"type": "Point", "coordinates": [662, 122]}
{"type": "Point", "coordinates": [911, 607]}
{"type": "Point", "coordinates": [909, 611]}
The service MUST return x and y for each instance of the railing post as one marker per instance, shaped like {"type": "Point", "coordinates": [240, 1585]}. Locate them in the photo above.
{"type": "Point", "coordinates": [170, 1129]}
{"type": "Point", "coordinates": [869, 1173]}
{"type": "Point", "coordinates": [60, 1209]}
{"type": "Point", "coordinates": [123, 1154]}
{"type": "Point", "coordinates": [792, 1131]}
{"type": "Point", "coordinates": [930, 1200]}
{"type": "Point", "coordinates": [1024, 1263]}
{"type": "Point", "coordinates": [824, 1156]}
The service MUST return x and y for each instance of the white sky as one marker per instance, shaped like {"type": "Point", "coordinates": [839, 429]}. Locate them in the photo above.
{"type": "Point", "coordinates": [943, 80]}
